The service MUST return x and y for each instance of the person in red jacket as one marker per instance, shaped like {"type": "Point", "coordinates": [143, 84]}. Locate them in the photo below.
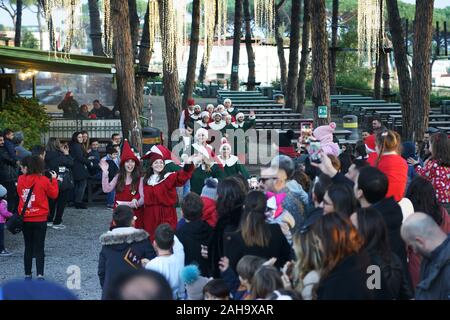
{"type": "Point", "coordinates": [209, 198]}
{"type": "Point", "coordinates": [35, 216]}
{"type": "Point", "coordinates": [160, 194]}
{"type": "Point", "coordinates": [391, 163]}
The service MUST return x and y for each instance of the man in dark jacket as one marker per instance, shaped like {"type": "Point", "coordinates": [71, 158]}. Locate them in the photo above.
{"type": "Point", "coordinates": [8, 176]}
{"type": "Point", "coordinates": [427, 239]}
{"type": "Point", "coordinates": [370, 189]}
{"type": "Point", "coordinates": [100, 111]}
{"type": "Point", "coordinates": [195, 233]}
{"type": "Point", "coordinates": [123, 248]}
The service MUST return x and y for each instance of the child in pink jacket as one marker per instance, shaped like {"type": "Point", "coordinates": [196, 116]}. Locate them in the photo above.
{"type": "Point", "coordinates": [4, 214]}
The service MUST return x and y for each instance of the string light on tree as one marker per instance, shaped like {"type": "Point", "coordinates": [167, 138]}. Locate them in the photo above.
{"type": "Point", "coordinates": [108, 30]}
{"type": "Point", "coordinates": [370, 29]}
{"type": "Point", "coordinates": [222, 7]}
{"type": "Point", "coordinates": [153, 22]}
{"type": "Point", "coordinates": [209, 21]}
{"type": "Point", "coordinates": [264, 15]}
{"type": "Point", "coordinates": [168, 35]}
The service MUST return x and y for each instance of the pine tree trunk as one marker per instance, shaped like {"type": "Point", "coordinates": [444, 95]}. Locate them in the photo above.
{"type": "Point", "coordinates": [123, 59]}
{"type": "Point", "coordinates": [292, 79]}
{"type": "Point", "coordinates": [401, 62]}
{"type": "Point", "coordinates": [421, 67]}
{"type": "Point", "coordinates": [18, 33]}
{"type": "Point", "coordinates": [134, 25]}
{"type": "Point", "coordinates": [306, 34]}
{"type": "Point", "coordinates": [280, 46]}
{"type": "Point", "coordinates": [207, 54]}
{"type": "Point", "coordinates": [172, 97]}
{"type": "Point", "coordinates": [333, 50]}
{"type": "Point", "coordinates": [248, 44]}
{"type": "Point", "coordinates": [144, 61]}
{"type": "Point", "coordinates": [236, 45]}
{"type": "Point", "coordinates": [320, 77]}
{"type": "Point", "coordinates": [193, 50]}
{"type": "Point", "coordinates": [96, 28]}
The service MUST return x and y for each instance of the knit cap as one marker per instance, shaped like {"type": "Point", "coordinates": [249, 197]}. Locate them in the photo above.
{"type": "Point", "coordinates": [3, 191]}
{"type": "Point", "coordinates": [210, 189]}
{"type": "Point", "coordinates": [194, 282]}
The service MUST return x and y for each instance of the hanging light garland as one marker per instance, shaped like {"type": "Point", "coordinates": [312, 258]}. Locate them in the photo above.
{"type": "Point", "coordinates": [153, 22]}
{"type": "Point", "coordinates": [264, 15]}
{"type": "Point", "coordinates": [72, 18]}
{"type": "Point", "coordinates": [168, 35]}
{"type": "Point", "coordinates": [370, 29]}
{"type": "Point", "coordinates": [209, 22]}
{"type": "Point", "coordinates": [107, 29]}
{"type": "Point", "coordinates": [222, 7]}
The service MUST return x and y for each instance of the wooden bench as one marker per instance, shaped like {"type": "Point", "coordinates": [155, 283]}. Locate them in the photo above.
{"type": "Point", "coordinates": [265, 110]}
{"type": "Point", "coordinates": [444, 129]}
{"type": "Point", "coordinates": [252, 101]}
{"type": "Point", "coordinates": [278, 115]}
{"type": "Point", "coordinates": [245, 106]}
{"type": "Point", "coordinates": [435, 124]}
{"type": "Point", "coordinates": [357, 105]}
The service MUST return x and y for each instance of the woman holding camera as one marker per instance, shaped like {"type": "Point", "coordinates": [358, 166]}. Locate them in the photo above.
{"type": "Point", "coordinates": [57, 158]}
{"type": "Point", "coordinates": [36, 213]}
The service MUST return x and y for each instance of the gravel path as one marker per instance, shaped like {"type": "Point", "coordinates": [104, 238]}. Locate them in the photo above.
{"type": "Point", "coordinates": [77, 245]}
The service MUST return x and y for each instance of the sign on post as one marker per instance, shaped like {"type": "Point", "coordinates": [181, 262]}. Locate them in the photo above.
{"type": "Point", "coordinates": [322, 112]}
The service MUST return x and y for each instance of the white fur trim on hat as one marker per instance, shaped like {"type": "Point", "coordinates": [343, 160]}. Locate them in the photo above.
{"type": "Point", "coordinates": [201, 131]}
{"type": "Point", "coordinates": [227, 100]}
{"type": "Point", "coordinates": [204, 114]}
{"type": "Point", "coordinates": [240, 114]}
{"type": "Point", "coordinates": [216, 114]}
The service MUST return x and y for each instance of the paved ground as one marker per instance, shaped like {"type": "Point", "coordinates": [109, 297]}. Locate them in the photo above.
{"type": "Point", "coordinates": [77, 245]}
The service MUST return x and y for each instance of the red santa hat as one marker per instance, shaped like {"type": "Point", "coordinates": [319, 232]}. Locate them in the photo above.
{"type": "Point", "coordinates": [370, 143]}
{"type": "Point", "coordinates": [190, 102]}
{"type": "Point", "coordinates": [153, 156]}
{"type": "Point", "coordinates": [162, 150]}
{"type": "Point", "coordinates": [127, 153]}
{"type": "Point", "coordinates": [224, 143]}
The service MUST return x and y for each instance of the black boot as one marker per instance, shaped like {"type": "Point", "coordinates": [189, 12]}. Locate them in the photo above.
{"type": "Point", "coordinates": [80, 205]}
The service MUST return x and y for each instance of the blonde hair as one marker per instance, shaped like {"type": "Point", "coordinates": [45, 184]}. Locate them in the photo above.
{"type": "Point", "coordinates": [309, 256]}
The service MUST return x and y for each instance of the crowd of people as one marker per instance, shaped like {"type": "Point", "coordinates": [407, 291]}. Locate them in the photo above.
{"type": "Point", "coordinates": [318, 223]}
{"type": "Point", "coordinates": [72, 110]}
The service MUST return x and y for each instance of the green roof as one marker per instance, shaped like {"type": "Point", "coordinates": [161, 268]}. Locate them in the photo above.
{"type": "Point", "coordinates": [24, 58]}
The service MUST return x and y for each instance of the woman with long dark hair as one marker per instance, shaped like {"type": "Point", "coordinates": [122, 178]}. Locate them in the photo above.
{"type": "Point", "coordinates": [256, 237]}
{"type": "Point", "coordinates": [230, 203]}
{"type": "Point", "coordinates": [80, 168]}
{"type": "Point", "coordinates": [340, 199]}
{"type": "Point", "coordinates": [423, 197]}
{"type": "Point", "coordinates": [437, 168]}
{"type": "Point", "coordinates": [57, 158]}
{"type": "Point", "coordinates": [127, 184]}
{"type": "Point", "coordinates": [372, 228]}
{"type": "Point", "coordinates": [36, 214]}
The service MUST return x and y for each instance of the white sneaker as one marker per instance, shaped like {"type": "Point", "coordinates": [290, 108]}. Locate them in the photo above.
{"type": "Point", "coordinates": [58, 226]}
{"type": "Point", "coordinates": [5, 253]}
{"type": "Point", "coordinates": [49, 224]}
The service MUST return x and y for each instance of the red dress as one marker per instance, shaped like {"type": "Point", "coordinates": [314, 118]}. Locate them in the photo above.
{"type": "Point", "coordinates": [126, 195]}
{"type": "Point", "coordinates": [160, 200]}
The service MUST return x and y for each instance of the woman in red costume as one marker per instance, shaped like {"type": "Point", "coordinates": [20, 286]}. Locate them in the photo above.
{"type": "Point", "coordinates": [128, 183]}
{"type": "Point", "coordinates": [160, 195]}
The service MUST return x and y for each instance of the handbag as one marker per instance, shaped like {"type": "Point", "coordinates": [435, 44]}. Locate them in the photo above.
{"type": "Point", "coordinates": [15, 223]}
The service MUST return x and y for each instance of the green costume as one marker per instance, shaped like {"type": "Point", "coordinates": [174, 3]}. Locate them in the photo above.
{"type": "Point", "coordinates": [232, 167]}
{"type": "Point", "coordinates": [199, 176]}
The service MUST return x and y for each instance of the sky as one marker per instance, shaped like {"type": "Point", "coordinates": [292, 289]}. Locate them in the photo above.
{"type": "Point", "coordinates": [29, 18]}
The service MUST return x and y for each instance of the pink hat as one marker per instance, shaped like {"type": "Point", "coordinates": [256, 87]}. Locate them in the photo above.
{"type": "Point", "coordinates": [325, 133]}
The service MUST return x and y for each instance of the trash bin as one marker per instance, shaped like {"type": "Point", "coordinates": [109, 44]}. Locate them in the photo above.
{"type": "Point", "coordinates": [150, 137]}
{"type": "Point", "coordinates": [351, 124]}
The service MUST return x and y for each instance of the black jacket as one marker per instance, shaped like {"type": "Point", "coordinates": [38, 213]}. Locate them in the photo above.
{"type": "Point", "coordinates": [102, 113]}
{"type": "Point", "coordinates": [192, 235]}
{"type": "Point", "coordinates": [119, 244]}
{"type": "Point", "coordinates": [278, 247]}
{"type": "Point", "coordinates": [81, 163]}
{"type": "Point", "coordinates": [395, 282]}
{"type": "Point", "coordinates": [8, 167]}
{"type": "Point", "coordinates": [347, 281]}
{"type": "Point", "coordinates": [56, 159]}
{"type": "Point", "coordinates": [393, 217]}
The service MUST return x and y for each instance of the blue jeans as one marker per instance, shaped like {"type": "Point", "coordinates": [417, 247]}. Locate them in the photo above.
{"type": "Point", "coordinates": [2, 237]}
{"type": "Point", "coordinates": [110, 198]}
{"type": "Point", "coordinates": [186, 188]}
